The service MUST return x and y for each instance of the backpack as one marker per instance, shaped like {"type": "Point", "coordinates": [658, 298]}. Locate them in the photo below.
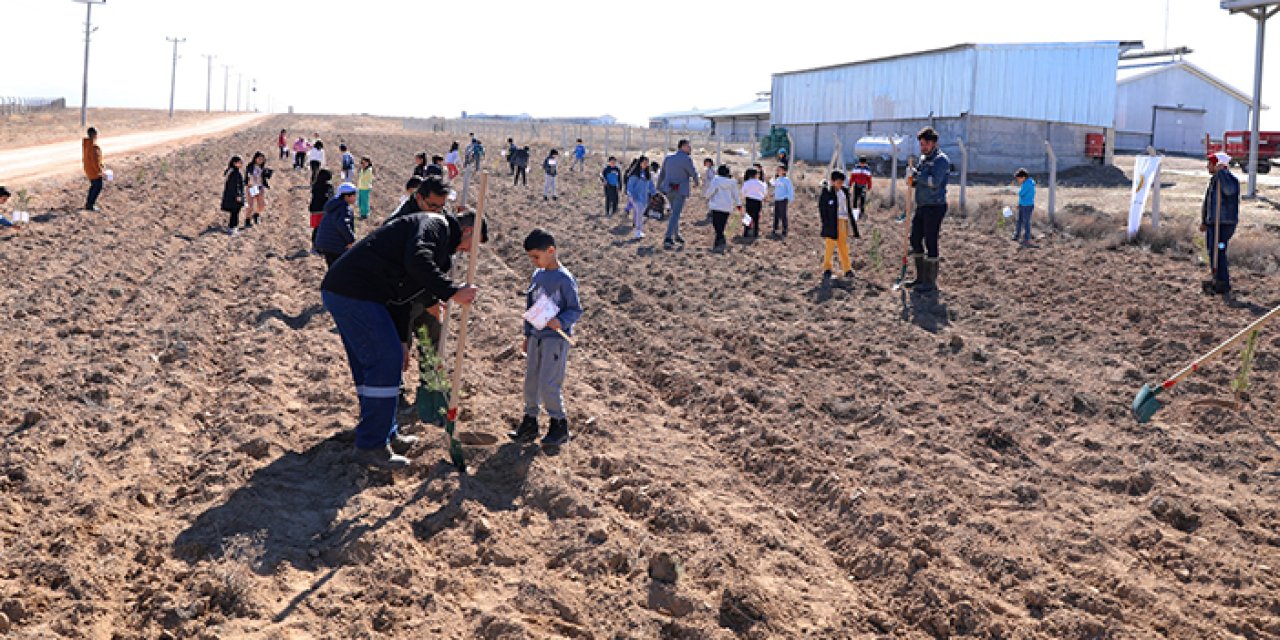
{"type": "Point", "coordinates": [348, 162]}
{"type": "Point", "coordinates": [657, 208]}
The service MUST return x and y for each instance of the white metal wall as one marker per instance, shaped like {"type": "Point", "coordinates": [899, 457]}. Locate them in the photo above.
{"type": "Point", "coordinates": [907, 87]}
{"type": "Point", "coordinates": [1175, 86]}
{"type": "Point", "coordinates": [1069, 82]}
{"type": "Point", "coordinates": [1066, 82]}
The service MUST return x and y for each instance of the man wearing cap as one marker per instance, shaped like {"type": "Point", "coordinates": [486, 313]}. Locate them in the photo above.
{"type": "Point", "coordinates": [1218, 217]}
{"type": "Point", "coordinates": [91, 157]}
{"type": "Point", "coordinates": [369, 292]}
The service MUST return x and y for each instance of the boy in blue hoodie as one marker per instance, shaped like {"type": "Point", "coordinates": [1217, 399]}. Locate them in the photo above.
{"type": "Point", "coordinates": [579, 157]}
{"type": "Point", "coordinates": [1026, 204]}
{"type": "Point", "coordinates": [611, 178]}
{"type": "Point", "coordinates": [547, 349]}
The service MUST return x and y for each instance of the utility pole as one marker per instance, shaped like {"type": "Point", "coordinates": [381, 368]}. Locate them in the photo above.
{"type": "Point", "coordinates": [226, 79]}
{"type": "Point", "coordinates": [173, 76]}
{"type": "Point", "coordinates": [208, 85]}
{"type": "Point", "coordinates": [1261, 11]}
{"type": "Point", "coordinates": [88, 31]}
{"type": "Point", "coordinates": [239, 88]}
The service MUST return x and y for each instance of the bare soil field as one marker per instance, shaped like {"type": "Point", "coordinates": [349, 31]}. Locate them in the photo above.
{"type": "Point", "coordinates": [44, 127]}
{"type": "Point", "coordinates": [758, 454]}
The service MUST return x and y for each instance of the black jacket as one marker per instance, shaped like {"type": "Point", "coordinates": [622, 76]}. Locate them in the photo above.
{"type": "Point", "coordinates": [233, 189]}
{"type": "Point", "coordinates": [406, 260]}
{"type": "Point", "coordinates": [321, 193]}
{"type": "Point", "coordinates": [433, 170]}
{"type": "Point", "coordinates": [827, 211]}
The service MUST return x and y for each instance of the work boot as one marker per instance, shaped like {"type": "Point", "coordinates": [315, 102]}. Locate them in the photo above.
{"type": "Point", "coordinates": [382, 458]}
{"type": "Point", "coordinates": [919, 260]}
{"type": "Point", "coordinates": [527, 431]}
{"type": "Point", "coordinates": [558, 434]}
{"type": "Point", "coordinates": [401, 443]}
{"type": "Point", "coordinates": [928, 281]}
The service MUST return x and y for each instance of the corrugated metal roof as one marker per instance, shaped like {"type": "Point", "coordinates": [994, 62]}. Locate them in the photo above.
{"type": "Point", "coordinates": [1071, 82]}
{"type": "Point", "coordinates": [753, 108]}
{"type": "Point", "coordinates": [684, 114]}
{"type": "Point", "coordinates": [1127, 77]}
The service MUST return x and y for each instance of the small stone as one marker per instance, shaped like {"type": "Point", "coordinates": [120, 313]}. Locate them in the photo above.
{"type": "Point", "coordinates": [483, 527]}
{"type": "Point", "coordinates": [597, 535]}
{"type": "Point", "coordinates": [144, 499]}
{"type": "Point", "coordinates": [4, 623]}
{"type": "Point", "coordinates": [792, 515]}
{"type": "Point", "coordinates": [313, 552]}
{"type": "Point", "coordinates": [257, 448]}
{"type": "Point", "coordinates": [115, 292]}
{"type": "Point", "coordinates": [167, 635]}
{"type": "Point", "coordinates": [917, 561]}
{"type": "Point", "coordinates": [956, 344]}
{"type": "Point", "coordinates": [663, 567]}
{"type": "Point", "coordinates": [1182, 575]}
{"type": "Point", "coordinates": [58, 441]}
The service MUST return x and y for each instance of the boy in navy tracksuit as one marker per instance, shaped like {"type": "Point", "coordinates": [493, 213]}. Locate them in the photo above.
{"type": "Point", "coordinates": [547, 349]}
{"type": "Point", "coordinates": [612, 179]}
{"type": "Point", "coordinates": [336, 232]}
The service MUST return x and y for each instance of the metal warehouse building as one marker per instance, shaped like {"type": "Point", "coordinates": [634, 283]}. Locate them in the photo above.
{"type": "Point", "coordinates": [743, 123]}
{"type": "Point", "coordinates": [1004, 100]}
{"type": "Point", "coordinates": [1173, 106]}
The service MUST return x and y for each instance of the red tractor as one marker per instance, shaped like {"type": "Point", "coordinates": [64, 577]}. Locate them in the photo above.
{"type": "Point", "coordinates": [1236, 145]}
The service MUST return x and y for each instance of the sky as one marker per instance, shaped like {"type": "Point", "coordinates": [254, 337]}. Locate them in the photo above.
{"type": "Point", "coordinates": [551, 57]}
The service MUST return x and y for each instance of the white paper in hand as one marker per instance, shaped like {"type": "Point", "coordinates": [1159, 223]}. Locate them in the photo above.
{"type": "Point", "coordinates": [746, 219]}
{"type": "Point", "coordinates": [542, 311]}
{"type": "Point", "coordinates": [856, 213]}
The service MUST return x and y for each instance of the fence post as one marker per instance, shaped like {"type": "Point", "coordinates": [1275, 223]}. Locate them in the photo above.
{"type": "Point", "coordinates": [964, 172]}
{"type": "Point", "coordinates": [719, 147]}
{"type": "Point", "coordinates": [1053, 182]}
{"type": "Point", "coordinates": [1155, 192]}
{"type": "Point", "coordinates": [666, 144]}
{"type": "Point", "coordinates": [791, 149]}
{"type": "Point", "coordinates": [893, 171]}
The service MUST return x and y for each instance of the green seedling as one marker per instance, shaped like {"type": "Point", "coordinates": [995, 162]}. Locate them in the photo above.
{"type": "Point", "coordinates": [1241, 382]}
{"type": "Point", "coordinates": [432, 398]}
{"type": "Point", "coordinates": [873, 252]}
{"type": "Point", "coordinates": [1202, 249]}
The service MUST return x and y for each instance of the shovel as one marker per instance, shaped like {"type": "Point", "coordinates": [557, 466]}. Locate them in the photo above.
{"type": "Point", "coordinates": [455, 385]}
{"type": "Point", "coordinates": [906, 235]}
{"type": "Point", "coordinates": [1147, 402]}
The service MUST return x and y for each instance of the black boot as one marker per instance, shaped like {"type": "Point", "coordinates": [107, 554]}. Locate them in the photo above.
{"type": "Point", "coordinates": [919, 260]}
{"type": "Point", "coordinates": [558, 434]}
{"type": "Point", "coordinates": [527, 431]}
{"type": "Point", "coordinates": [928, 281]}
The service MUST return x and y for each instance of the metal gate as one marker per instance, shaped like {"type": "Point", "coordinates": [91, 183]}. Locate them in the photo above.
{"type": "Point", "coordinates": [1178, 130]}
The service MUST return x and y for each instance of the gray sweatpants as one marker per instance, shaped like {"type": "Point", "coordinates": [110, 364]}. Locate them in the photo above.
{"type": "Point", "coordinates": [549, 187]}
{"type": "Point", "coordinates": [544, 376]}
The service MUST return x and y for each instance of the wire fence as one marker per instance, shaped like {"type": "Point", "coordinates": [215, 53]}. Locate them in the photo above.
{"type": "Point", "coordinates": [619, 140]}
{"type": "Point", "coordinates": [10, 105]}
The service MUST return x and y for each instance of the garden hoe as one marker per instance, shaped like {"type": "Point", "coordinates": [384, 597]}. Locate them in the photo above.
{"type": "Point", "coordinates": [906, 233]}
{"type": "Point", "coordinates": [1147, 402]}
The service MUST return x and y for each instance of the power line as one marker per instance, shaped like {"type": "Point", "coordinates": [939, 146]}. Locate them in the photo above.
{"type": "Point", "coordinates": [88, 32]}
{"type": "Point", "coordinates": [173, 76]}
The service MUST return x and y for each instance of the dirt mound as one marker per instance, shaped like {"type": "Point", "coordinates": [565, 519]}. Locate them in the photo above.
{"type": "Point", "coordinates": [758, 452]}
{"type": "Point", "coordinates": [1094, 175]}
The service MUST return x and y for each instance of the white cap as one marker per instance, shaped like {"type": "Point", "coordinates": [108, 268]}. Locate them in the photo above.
{"type": "Point", "coordinates": [1220, 158]}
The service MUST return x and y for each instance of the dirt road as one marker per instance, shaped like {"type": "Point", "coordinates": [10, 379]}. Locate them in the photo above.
{"type": "Point", "coordinates": [27, 164]}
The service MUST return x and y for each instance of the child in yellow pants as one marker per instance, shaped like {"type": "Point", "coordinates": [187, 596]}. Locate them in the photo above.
{"type": "Point", "coordinates": [837, 220]}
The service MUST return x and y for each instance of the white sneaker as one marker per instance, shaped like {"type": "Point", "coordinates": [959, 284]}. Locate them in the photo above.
{"type": "Point", "coordinates": [639, 234]}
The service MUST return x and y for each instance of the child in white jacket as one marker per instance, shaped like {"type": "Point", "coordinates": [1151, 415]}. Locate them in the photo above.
{"type": "Point", "coordinates": [723, 196]}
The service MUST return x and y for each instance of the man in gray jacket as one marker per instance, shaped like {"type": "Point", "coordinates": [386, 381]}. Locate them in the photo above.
{"type": "Point", "coordinates": [674, 180]}
{"type": "Point", "coordinates": [930, 184]}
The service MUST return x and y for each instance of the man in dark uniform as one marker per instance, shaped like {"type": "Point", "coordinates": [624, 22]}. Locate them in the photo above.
{"type": "Point", "coordinates": [370, 291]}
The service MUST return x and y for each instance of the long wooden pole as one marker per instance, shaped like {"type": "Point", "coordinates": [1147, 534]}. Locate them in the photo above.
{"type": "Point", "coordinates": [455, 383]}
